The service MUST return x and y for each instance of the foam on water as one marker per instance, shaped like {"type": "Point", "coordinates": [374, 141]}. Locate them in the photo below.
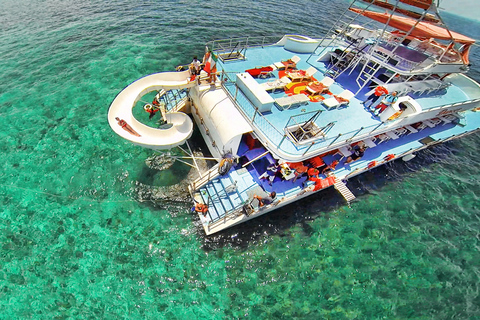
{"type": "Point", "coordinates": [84, 236]}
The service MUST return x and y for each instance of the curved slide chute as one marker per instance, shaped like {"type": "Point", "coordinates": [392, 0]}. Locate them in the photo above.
{"type": "Point", "coordinates": [157, 139]}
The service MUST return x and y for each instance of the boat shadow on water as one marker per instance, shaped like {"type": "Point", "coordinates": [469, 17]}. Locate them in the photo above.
{"type": "Point", "coordinates": [176, 200]}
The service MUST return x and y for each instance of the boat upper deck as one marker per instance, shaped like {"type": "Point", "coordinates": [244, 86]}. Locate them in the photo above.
{"type": "Point", "coordinates": [337, 126]}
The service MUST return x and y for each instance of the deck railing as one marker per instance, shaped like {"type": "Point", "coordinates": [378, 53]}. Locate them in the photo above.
{"type": "Point", "coordinates": [232, 44]}
{"type": "Point", "coordinates": [280, 140]}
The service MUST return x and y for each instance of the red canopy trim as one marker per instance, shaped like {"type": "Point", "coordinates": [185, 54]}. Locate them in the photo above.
{"type": "Point", "coordinates": [385, 4]}
{"type": "Point", "coordinates": [420, 29]}
{"type": "Point", "coordinates": [423, 4]}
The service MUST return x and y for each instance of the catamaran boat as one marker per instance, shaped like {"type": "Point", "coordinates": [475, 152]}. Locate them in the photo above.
{"type": "Point", "coordinates": [288, 118]}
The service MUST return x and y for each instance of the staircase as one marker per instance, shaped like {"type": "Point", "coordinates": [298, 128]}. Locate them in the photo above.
{"type": "Point", "coordinates": [368, 72]}
{"type": "Point", "coordinates": [222, 197]}
{"type": "Point", "coordinates": [344, 191]}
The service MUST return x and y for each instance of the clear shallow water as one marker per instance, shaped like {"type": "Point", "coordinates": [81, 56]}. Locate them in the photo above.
{"type": "Point", "coordinates": [77, 242]}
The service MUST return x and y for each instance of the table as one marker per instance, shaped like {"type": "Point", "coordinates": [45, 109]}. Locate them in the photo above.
{"type": "Point", "coordinates": [287, 173]}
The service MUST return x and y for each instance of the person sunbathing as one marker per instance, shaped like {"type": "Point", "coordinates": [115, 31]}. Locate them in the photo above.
{"type": "Point", "coordinates": [126, 127]}
{"type": "Point", "coordinates": [289, 64]}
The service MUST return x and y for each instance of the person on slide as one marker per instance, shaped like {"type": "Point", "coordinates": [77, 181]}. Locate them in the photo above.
{"type": "Point", "coordinates": [126, 127]}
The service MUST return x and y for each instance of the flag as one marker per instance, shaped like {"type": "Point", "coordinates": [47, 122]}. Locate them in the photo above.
{"type": "Point", "coordinates": [209, 63]}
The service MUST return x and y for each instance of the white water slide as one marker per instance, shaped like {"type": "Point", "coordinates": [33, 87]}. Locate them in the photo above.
{"type": "Point", "coordinates": [181, 125]}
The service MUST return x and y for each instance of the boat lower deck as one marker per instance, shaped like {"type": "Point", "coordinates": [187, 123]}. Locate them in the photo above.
{"type": "Point", "coordinates": [227, 196]}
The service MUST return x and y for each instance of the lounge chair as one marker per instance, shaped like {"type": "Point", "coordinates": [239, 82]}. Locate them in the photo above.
{"type": "Point", "coordinates": [410, 129]}
{"type": "Point", "coordinates": [290, 63]}
{"type": "Point", "coordinates": [432, 122]}
{"type": "Point", "coordinates": [369, 143]}
{"type": "Point", "coordinates": [310, 71]}
{"type": "Point", "coordinates": [449, 118]}
{"type": "Point", "coordinates": [277, 84]}
{"type": "Point", "coordinates": [288, 101]}
{"type": "Point", "coordinates": [339, 100]}
{"type": "Point", "coordinates": [400, 131]}
{"type": "Point", "coordinates": [327, 81]}
{"type": "Point", "coordinates": [320, 87]}
{"type": "Point", "coordinates": [419, 126]}
{"type": "Point", "coordinates": [381, 138]}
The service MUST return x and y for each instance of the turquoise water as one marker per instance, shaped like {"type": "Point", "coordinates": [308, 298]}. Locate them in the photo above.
{"type": "Point", "coordinates": [82, 238]}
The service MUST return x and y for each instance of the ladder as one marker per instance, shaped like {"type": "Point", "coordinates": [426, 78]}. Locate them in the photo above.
{"type": "Point", "coordinates": [347, 60]}
{"type": "Point", "coordinates": [368, 72]}
{"type": "Point", "coordinates": [344, 191]}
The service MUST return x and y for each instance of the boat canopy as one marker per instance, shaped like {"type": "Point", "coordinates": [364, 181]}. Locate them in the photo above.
{"type": "Point", "coordinates": [419, 29]}
{"type": "Point", "coordinates": [386, 5]}
{"type": "Point", "coordinates": [422, 4]}
{"type": "Point", "coordinates": [224, 116]}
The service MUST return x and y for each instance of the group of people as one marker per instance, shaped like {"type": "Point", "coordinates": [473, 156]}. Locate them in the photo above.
{"type": "Point", "coordinates": [380, 100]}
{"type": "Point", "coordinates": [208, 65]}
{"type": "Point", "coordinates": [311, 168]}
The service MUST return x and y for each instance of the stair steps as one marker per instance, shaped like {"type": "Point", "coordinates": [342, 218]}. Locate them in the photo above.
{"type": "Point", "coordinates": [344, 191]}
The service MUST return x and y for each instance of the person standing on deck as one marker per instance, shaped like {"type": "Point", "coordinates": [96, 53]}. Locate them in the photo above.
{"type": "Point", "coordinates": [375, 97]}
{"type": "Point", "coordinates": [389, 100]}
{"type": "Point", "coordinates": [195, 66]}
{"type": "Point", "coordinates": [210, 66]}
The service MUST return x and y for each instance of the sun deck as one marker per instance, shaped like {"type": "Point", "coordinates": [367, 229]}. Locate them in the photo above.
{"type": "Point", "coordinates": [346, 123]}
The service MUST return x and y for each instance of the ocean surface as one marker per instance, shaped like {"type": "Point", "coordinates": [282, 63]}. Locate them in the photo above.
{"type": "Point", "coordinates": [83, 237]}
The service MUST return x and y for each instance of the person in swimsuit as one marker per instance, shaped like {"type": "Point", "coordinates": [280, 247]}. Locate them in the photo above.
{"type": "Point", "coordinates": [126, 127]}
{"type": "Point", "coordinates": [386, 102]}
{"type": "Point", "coordinates": [266, 200]}
{"type": "Point", "coordinates": [357, 153]}
{"type": "Point", "coordinates": [330, 168]}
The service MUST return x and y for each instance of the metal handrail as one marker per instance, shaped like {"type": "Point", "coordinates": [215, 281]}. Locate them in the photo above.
{"type": "Point", "coordinates": [332, 142]}
{"type": "Point", "coordinates": [250, 42]}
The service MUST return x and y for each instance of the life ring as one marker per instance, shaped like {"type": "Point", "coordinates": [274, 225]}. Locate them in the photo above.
{"type": "Point", "coordinates": [372, 164]}
{"type": "Point", "coordinates": [389, 157]}
{"type": "Point", "coordinates": [225, 166]}
{"type": "Point", "coordinates": [148, 107]}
